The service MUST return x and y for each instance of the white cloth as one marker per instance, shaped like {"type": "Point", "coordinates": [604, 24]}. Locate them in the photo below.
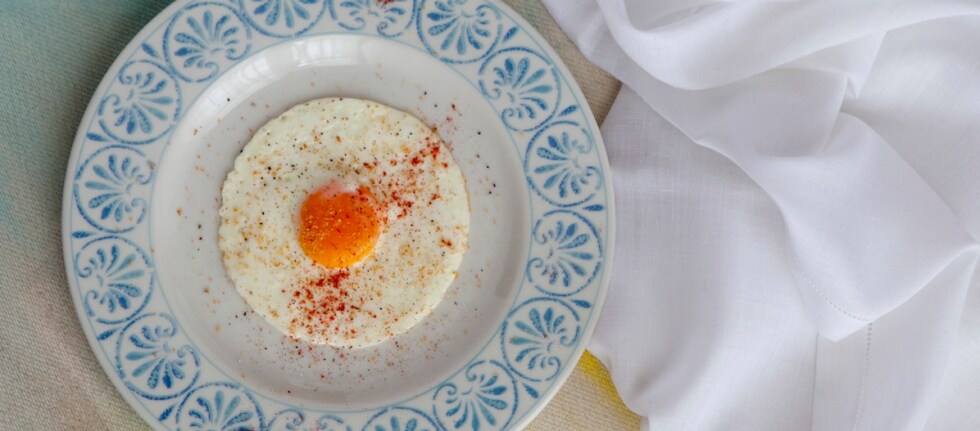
{"type": "Point", "coordinates": [807, 264]}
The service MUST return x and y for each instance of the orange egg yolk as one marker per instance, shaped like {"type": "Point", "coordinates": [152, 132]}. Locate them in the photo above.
{"type": "Point", "coordinates": [338, 226]}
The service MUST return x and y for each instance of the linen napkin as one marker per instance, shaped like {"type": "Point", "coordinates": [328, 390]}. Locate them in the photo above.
{"type": "Point", "coordinates": [794, 251]}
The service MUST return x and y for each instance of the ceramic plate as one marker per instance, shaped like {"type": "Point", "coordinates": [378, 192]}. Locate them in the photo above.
{"type": "Point", "coordinates": [143, 190]}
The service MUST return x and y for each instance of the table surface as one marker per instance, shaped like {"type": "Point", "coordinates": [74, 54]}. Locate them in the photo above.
{"type": "Point", "coordinates": [52, 56]}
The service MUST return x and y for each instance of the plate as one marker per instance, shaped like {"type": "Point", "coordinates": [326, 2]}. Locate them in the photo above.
{"type": "Point", "coordinates": [163, 128]}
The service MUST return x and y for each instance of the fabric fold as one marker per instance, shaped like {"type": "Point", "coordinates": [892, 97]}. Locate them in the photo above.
{"type": "Point", "coordinates": [876, 259]}
{"type": "Point", "coordinates": [739, 39]}
{"type": "Point", "coordinates": [847, 198]}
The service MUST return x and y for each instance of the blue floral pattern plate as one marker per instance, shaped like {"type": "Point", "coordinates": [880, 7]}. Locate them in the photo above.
{"type": "Point", "coordinates": [164, 126]}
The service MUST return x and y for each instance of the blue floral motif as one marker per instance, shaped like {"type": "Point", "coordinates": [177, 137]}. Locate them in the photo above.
{"type": "Point", "coordinates": [288, 420]}
{"type": "Point", "coordinates": [561, 166]}
{"type": "Point", "coordinates": [151, 359]}
{"type": "Point", "coordinates": [203, 35]}
{"type": "Point", "coordinates": [142, 105]}
{"type": "Point", "coordinates": [484, 397]}
{"type": "Point", "coordinates": [111, 187]}
{"type": "Point", "coordinates": [538, 336]}
{"type": "Point", "coordinates": [523, 86]}
{"type": "Point", "coordinates": [400, 419]}
{"type": "Point", "coordinates": [567, 253]}
{"type": "Point", "coordinates": [284, 18]}
{"type": "Point", "coordinates": [183, 53]}
{"type": "Point", "coordinates": [330, 423]}
{"type": "Point", "coordinates": [293, 419]}
{"type": "Point", "coordinates": [387, 17]}
{"type": "Point", "coordinates": [115, 277]}
{"type": "Point", "coordinates": [460, 31]}
{"type": "Point", "coordinates": [219, 407]}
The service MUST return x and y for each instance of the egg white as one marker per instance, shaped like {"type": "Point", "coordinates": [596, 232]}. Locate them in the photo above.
{"type": "Point", "coordinates": [422, 200]}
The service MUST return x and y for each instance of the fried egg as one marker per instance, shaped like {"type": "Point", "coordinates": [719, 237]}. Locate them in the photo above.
{"type": "Point", "coordinates": [343, 222]}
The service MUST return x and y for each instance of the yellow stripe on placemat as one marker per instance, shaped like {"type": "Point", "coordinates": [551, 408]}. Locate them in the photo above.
{"type": "Point", "coordinates": [588, 401]}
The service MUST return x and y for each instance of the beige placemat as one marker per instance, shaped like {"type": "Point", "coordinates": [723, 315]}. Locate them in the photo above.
{"type": "Point", "coordinates": [52, 56]}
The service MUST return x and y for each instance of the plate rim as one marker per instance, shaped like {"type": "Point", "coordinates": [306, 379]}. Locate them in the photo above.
{"type": "Point", "coordinates": [159, 21]}
{"type": "Point", "coordinates": [609, 256]}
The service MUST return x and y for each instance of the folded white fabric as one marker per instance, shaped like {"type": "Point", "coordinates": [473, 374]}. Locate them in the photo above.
{"type": "Point", "coordinates": [807, 264]}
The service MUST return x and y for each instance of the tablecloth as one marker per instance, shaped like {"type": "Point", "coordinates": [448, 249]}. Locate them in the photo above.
{"type": "Point", "coordinates": [52, 56]}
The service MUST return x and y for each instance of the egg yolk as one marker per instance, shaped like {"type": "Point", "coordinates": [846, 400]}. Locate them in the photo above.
{"type": "Point", "coordinates": [338, 226]}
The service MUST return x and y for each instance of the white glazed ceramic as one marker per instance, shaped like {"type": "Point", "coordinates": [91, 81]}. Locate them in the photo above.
{"type": "Point", "coordinates": [143, 190]}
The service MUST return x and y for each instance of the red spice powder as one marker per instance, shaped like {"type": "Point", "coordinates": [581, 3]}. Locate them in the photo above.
{"type": "Point", "coordinates": [337, 277]}
{"type": "Point", "coordinates": [320, 301]}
